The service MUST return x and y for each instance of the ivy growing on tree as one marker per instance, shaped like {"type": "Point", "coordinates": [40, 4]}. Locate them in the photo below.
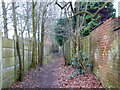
{"type": "Point", "coordinates": [107, 12]}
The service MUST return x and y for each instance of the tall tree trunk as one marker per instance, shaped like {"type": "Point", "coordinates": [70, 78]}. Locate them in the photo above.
{"type": "Point", "coordinates": [23, 52]}
{"type": "Point", "coordinates": [17, 41]}
{"type": "Point", "coordinates": [42, 43]}
{"type": "Point", "coordinates": [38, 28]}
{"type": "Point", "coordinates": [77, 28]}
{"type": "Point", "coordinates": [35, 15]}
{"type": "Point", "coordinates": [28, 29]}
{"type": "Point", "coordinates": [42, 36]}
{"type": "Point", "coordinates": [5, 19]}
{"type": "Point", "coordinates": [34, 36]}
{"type": "Point", "coordinates": [38, 42]}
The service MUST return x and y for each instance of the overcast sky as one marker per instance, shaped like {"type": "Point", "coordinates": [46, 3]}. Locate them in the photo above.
{"type": "Point", "coordinates": [115, 6]}
{"type": "Point", "coordinates": [115, 2]}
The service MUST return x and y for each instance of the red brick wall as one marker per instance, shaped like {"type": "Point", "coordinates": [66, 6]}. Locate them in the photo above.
{"type": "Point", "coordinates": [104, 50]}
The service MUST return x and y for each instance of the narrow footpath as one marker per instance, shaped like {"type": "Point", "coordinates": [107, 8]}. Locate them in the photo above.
{"type": "Point", "coordinates": [56, 75]}
{"type": "Point", "coordinates": [40, 77]}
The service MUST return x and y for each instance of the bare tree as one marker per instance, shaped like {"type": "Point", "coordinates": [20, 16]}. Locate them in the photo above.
{"type": "Point", "coordinates": [5, 19]}
{"type": "Point", "coordinates": [17, 41]}
{"type": "Point", "coordinates": [44, 19]}
{"type": "Point", "coordinates": [38, 29]}
{"type": "Point", "coordinates": [34, 34]}
{"type": "Point", "coordinates": [42, 35]}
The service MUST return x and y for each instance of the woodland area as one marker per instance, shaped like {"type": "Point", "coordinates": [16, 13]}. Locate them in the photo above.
{"type": "Point", "coordinates": [56, 31]}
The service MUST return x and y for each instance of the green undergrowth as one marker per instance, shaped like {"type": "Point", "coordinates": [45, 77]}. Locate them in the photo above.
{"type": "Point", "coordinates": [81, 66]}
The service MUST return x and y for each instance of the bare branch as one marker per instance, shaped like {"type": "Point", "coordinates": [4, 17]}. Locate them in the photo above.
{"type": "Point", "coordinates": [78, 13]}
{"type": "Point", "coordinates": [71, 7]}
{"type": "Point", "coordinates": [62, 7]}
{"type": "Point", "coordinates": [100, 9]}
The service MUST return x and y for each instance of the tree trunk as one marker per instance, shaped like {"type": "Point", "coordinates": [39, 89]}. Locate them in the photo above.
{"type": "Point", "coordinates": [23, 53]}
{"type": "Point", "coordinates": [5, 19]}
{"type": "Point", "coordinates": [63, 48]}
{"type": "Point", "coordinates": [42, 36]}
{"type": "Point", "coordinates": [42, 43]}
{"type": "Point", "coordinates": [28, 29]}
{"type": "Point", "coordinates": [34, 36]}
{"type": "Point", "coordinates": [38, 42]}
{"type": "Point", "coordinates": [77, 27]}
{"type": "Point", "coordinates": [17, 41]}
{"type": "Point", "coordinates": [38, 25]}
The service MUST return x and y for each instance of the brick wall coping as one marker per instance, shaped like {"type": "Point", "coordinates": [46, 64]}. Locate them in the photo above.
{"type": "Point", "coordinates": [106, 21]}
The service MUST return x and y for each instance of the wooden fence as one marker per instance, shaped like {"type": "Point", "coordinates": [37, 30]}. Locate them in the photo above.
{"type": "Point", "coordinates": [9, 63]}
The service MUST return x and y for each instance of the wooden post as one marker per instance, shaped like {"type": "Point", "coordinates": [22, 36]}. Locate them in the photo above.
{"type": "Point", "coordinates": [0, 60]}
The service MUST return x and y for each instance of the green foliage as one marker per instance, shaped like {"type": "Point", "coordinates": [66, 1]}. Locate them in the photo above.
{"type": "Point", "coordinates": [90, 25]}
{"type": "Point", "coordinates": [60, 39]}
{"type": "Point", "coordinates": [84, 60]}
{"type": "Point", "coordinates": [107, 12]}
{"type": "Point", "coordinates": [61, 31]}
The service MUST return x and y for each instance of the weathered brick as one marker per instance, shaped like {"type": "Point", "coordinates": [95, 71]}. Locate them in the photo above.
{"type": "Point", "coordinates": [106, 59]}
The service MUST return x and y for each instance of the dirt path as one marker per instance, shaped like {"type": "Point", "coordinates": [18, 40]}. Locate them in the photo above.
{"type": "Point", "coordinates": [40, 77]}
{"type": "Point", "coordinates": [56, 75]}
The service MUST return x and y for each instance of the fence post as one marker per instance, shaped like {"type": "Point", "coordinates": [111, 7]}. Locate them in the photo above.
{"type": "Point", "coordinates": [0, 60]}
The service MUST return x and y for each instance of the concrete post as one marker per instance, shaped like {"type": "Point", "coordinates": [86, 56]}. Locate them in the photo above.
{"type": "Point", "coordinates": [0, 60]}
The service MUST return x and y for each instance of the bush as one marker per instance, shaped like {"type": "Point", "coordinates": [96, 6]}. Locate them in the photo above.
{"type": "Point", "coordinates": [83, 62]}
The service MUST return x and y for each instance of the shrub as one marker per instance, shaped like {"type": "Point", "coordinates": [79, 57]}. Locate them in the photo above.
{"type": "Point", "coordinates": [83, 64]}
